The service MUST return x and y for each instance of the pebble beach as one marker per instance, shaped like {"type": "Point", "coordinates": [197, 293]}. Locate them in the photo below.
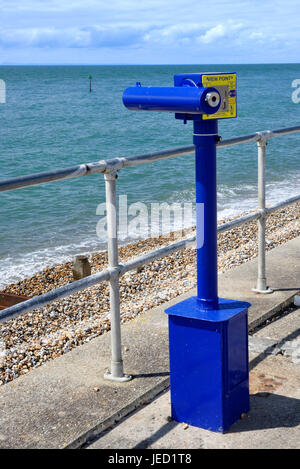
{"type": "Point", "coordinates": [32, 339]}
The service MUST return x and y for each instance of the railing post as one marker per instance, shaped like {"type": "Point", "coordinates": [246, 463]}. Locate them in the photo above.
{"type": "Point", "coordinates": [261, 284]}
{"type": "Point", "coordinates": [116, 372]}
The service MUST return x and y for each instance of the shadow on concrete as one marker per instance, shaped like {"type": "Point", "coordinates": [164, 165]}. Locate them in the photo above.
{"type": "Point", "coordinates": [151, 375]}
{"type": "Point", "coordinates": [253, 363]}
{"type": "Point", "coordinates": [161, 432]}
{"type": "Point", "coordinates": [261, 357]}
{"type": "Point", "coordinates": [268, 410]}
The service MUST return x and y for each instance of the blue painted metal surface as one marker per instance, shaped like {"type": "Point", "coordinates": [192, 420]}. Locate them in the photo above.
{"type": "Point", "coordinates": [208, 336]}
{"type": "Point", "coordinates": [194, 79]}
{"type": "Point", "coordinates": [186, 99]}
{"type": "Point", "coordinates": [209, 363]}
{"type": "Point", "coordinates": [205, 139]}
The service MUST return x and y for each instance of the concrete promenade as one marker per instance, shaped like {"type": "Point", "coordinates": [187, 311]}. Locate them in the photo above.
{"type": "Point", "coordinates": [66, 402]}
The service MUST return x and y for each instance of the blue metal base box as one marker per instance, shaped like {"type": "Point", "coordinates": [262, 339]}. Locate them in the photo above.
{"type": "Point", "coordinates": [209, 363]}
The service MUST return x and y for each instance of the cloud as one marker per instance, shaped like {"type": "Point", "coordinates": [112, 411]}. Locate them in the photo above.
{"type": "Point", "coordinates": [114, 36]}
{"type": "Point", "coordinates": [43, 5]}
{"type": "Point", "coordinates": [172, 34]}
{"type": "Point", "coordinates": [90, 37]}
{"type": "Point", "coordinates": [214, 33]}
{"type": "Point", "coordinates": [126, 35]}
{"type": "Point", "coordinates": [256, 35]}
{"type": "Point", "coordinates": [219, 31]}
{"type": "Point", "coordinates": [193, 33]}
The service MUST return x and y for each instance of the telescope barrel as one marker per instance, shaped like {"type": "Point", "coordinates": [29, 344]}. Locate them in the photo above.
{"type": "Point", "coordinates": [178, 99]}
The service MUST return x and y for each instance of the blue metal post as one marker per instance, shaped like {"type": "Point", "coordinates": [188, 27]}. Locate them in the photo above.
{"type": "Point", "coordinates": [205, 139]}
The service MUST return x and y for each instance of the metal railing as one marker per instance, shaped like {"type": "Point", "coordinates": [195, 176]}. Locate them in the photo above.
{"type": "Point", "coordinates": [115, 270]}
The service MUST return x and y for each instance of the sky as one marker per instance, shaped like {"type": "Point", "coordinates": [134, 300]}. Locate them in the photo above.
{"type": "Point", "coordinates": [149, 31]}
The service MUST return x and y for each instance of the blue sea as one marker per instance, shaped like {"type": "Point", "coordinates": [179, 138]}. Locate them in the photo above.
{"type": "Point", "coordinates": [51, 120]}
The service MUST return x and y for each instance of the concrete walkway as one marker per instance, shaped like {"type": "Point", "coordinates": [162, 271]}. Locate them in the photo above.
{"type": "Point", "coordinates": [66, 401]}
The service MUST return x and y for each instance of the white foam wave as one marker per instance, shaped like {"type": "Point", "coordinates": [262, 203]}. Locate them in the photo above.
{"type": "Point", "coordinates": [14, 269]}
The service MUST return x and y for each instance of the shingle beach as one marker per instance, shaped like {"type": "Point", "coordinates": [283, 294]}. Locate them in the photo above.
{"type": "Point", "coordinates": [34, 338]}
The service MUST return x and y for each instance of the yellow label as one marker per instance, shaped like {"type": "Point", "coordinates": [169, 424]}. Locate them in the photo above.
{"type": "Point", "coordinates": [225, 83]}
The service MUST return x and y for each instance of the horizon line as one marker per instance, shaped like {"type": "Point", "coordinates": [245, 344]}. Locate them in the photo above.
{"type": "Point", "coordinates": [139, 65]}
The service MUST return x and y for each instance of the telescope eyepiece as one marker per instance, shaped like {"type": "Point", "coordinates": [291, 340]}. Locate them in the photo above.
{"type": "Point", "coordinates": [213, 99]}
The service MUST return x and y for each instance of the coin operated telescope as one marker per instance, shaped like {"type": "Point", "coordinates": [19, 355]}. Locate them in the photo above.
{"type": "Point", "coordinates": [208, 335]}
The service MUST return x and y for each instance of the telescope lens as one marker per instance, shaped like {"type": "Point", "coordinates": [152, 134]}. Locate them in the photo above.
{"type": "Point", "coordinates": [213, 99]}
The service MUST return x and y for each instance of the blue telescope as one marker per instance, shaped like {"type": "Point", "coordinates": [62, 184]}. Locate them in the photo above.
{"type": "Point", "coordinates": [208, 335]}
{"type": "Point", "coordinates": [185, 99]}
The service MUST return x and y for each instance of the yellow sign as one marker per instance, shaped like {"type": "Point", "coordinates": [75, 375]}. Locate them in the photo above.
{"type": "Point", "coordinates": [225, 83]}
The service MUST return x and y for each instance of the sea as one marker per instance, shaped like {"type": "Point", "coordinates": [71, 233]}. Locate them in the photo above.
{"type": "Point", "coordinates": [51, 120]}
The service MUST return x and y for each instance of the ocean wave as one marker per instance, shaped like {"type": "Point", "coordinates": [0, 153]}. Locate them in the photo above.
{"type": "Point", "coordinates": [17, 268]}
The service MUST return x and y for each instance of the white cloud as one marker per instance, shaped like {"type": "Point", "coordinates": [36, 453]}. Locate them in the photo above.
{"type": "Point", "coordinates": [219, 31]}
{"type": "Point", "coordinates": [125, 35]}
{"type": "Point", "coordinates": [173, 34]}
{"type": "Point", "coordinates": [256, 35]}
{"type": "Point", "coordinates": [214, 33]}
{"type": "Point", "coordinates": [92, 36]}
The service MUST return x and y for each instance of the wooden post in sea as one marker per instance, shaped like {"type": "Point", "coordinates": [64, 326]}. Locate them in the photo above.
{"type": "Point", "coordinates": [90, 78]}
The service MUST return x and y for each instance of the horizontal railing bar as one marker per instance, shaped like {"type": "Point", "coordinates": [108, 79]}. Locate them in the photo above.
{"type": "Point", "coordinates": [54, 295]}
{"type": "Point", "coordinates": [116, 164]}
{"type": "Point", "coordinates": [157, 156]}
{"type": "Point", "coordinates": [91, 280]}
{"type": "Point", "coordinates": [237, 140]}
{"type": "Point", "coordinates": [51, 176]}
{"type": "Point", "coordinates": [284, 203]}
{"type": "Point", "coordinates": [157, 254]}
{"type": "Point", "coordinates": [238, 221]}
{"type": "Point", "coordinates": [286, 131]}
